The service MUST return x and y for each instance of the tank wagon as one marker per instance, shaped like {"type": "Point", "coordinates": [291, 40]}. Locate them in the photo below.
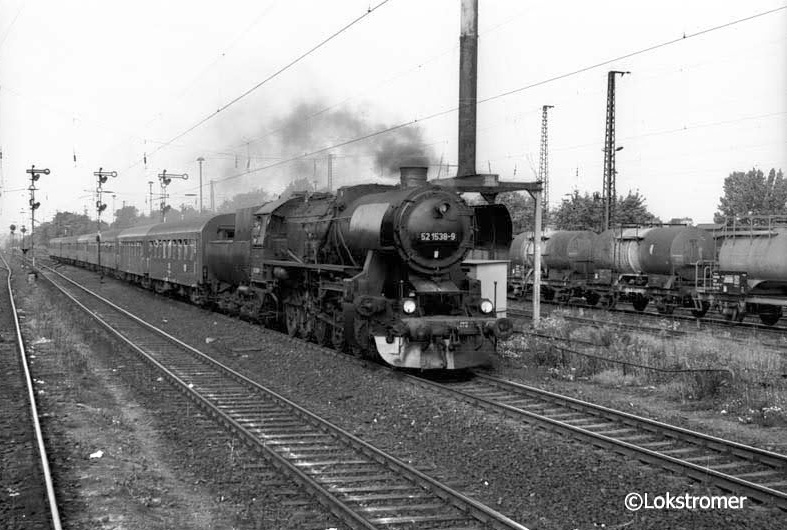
{"type": "Point", "coordinates": [374, 269]}
{"type": "Point", "coordinates": [566, 264]}
{"type": "Point", "coordinates": [749, 275]}
{"type": "Point", "coordinates": [738, 269]}
{"type": "Point", "coordinates": [653, 264]}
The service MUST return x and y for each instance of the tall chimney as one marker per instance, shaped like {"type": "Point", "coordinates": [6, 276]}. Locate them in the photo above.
{"type": "Point", "coordinates": [413, 176]}
{"type": "Point", "coordinates": [468, 80]}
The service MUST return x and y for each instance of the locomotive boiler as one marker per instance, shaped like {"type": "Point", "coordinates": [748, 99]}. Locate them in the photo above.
{"type": "Point", "coordinates": [375, 269]}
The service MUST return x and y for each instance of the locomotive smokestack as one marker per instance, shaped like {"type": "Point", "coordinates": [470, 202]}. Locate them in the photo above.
{"type": "Point", "coordinates": [468, 80]}
{"type": "Point", "coordinates": [413, 176]}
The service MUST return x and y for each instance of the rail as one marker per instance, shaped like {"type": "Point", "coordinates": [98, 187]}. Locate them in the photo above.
{"type": "Point", "coordinates": [286, 433]}
{"type": "Point", "coordinates": [45, 469]}
{"type": "Point", "coordinates": [651, 441]}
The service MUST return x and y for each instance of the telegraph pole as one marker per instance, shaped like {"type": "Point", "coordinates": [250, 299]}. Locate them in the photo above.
{"type": "Point", "coordinates": [212, 196]}
{"type": "Point", "coordinates": [200, 160]}
{"type": "Point", "coordinates": [35, 174]}
{"type": "Point", "coordinates": [609, 194]}
{"type": "Point", "coordinates": [165, 179]}
{"type": "Point", "coordinates": [330, 172]}
{"type": "Point", "coordinates": [543, 166]}
{"type": "Point", "coordinates": [150, 199]}
{"type": "Point", "coordinates": [101, 178]}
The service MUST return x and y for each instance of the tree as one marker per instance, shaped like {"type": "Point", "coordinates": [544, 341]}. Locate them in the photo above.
{"type": "Point", "coordinates": [126, 217]}
{"type": "Point", "coordinates": [580, 212]}
{"type": "Point", "coordinates": [631, 209]}
{"type": "Point", "coordinates": [245, 200]}
{"type": "Point", "coordinates": [520, 206]}
{"type": "Point", "coordinates": [522, 210]}
{"type": "Point", "coordinates": [751, 193]}
{"type": "Point", "coordinates": [586, 212]}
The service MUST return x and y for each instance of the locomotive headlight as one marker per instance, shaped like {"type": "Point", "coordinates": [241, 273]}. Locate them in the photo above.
{"type": "Point", "coordinates": [408, 306]}
{"type": "Point", "coordinates": [486, 306]}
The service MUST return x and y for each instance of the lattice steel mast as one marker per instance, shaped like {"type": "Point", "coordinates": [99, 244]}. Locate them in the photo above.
{"type": "Point", "coordinates": [543, 164]}
{"type": "Point", "coordinates": [609, 194]}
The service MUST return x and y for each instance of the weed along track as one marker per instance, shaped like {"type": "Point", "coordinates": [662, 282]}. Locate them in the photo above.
{"type": "Point", "coordinates": [359, 484]}
{"type": "Point", "coordinates": [734, 467]}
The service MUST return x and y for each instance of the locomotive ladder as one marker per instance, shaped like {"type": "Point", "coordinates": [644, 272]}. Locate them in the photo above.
{"type": "Point", "coordinates": [361, 485]}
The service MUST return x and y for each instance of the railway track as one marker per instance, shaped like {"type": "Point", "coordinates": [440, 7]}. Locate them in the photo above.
{"type": "Point", "coordinates": [779, 345]}
{"type": "Point", "coordinates": [361, 485]}
{"type": "Point", "coordinates": [52, 516]}
{"type": "Point", "coordinates": [733, 467]}
{"type": "Point", "coordinates": [705, 323]}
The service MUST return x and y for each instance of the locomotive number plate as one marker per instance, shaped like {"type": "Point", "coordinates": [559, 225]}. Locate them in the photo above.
{"type": "Point", "coordinates": [438, 236]}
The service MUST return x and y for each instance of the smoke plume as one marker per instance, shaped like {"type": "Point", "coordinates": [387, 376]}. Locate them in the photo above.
{"type": "Point", "coordinates": [309, 127]}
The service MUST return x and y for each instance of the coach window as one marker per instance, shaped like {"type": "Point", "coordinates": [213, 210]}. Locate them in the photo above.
{"type": "Point", "coordinates": [258, 230]}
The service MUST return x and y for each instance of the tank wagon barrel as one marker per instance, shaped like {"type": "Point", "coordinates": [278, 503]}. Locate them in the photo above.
{"type": "Point", "coordinates": [672, 266]}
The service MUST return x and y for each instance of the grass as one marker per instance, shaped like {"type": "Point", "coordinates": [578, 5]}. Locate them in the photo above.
{"type": "Point", "coordinates": [62, 339]}
{"type": "Point", "coordinates": [750, 383]}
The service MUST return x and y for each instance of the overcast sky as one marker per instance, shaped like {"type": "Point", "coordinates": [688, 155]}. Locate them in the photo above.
{"type": "Point", "coordinates": [110, 83]}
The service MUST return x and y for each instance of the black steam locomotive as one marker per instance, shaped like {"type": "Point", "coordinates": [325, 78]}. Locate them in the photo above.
{"type": "Point", "coordinates": [374, 269]}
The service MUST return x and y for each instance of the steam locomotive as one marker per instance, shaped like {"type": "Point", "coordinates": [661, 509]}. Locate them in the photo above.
{"type": "Point", "coordinates": [375, 269]}
{"type": "Point", "coordinates": [736, 268]}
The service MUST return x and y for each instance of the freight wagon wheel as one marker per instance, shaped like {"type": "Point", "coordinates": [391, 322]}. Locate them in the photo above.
{"type": "Point", "coordinates": [699, 313]}
{"type": "Point", "coordinates": [592, 298]}
{"type": "Point", "coordinates": [771, 315]}
{"type": "Point", "coordinates": [640, 302]}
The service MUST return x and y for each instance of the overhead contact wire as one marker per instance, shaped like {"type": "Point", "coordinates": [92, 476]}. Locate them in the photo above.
{"type": "Point", "coordinates": [508, 93]}
{"type": "Point", "coordinates": [272, 76]}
